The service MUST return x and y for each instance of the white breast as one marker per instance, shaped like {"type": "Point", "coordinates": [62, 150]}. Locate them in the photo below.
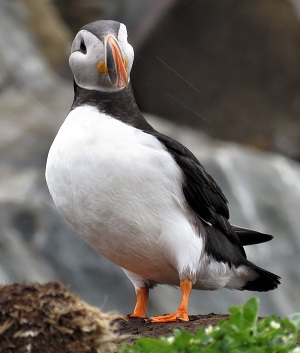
{"type": "Point", "coordinates": [121, 190]}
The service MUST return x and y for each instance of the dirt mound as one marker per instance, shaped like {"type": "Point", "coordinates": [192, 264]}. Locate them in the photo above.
{"type": "Point", "coordinates": [48, 318]}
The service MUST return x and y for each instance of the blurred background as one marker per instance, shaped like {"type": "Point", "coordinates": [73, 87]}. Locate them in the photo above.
{"type": "Point", "coordinates": [221, 77]}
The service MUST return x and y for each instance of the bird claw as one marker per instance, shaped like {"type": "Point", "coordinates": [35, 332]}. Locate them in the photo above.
{"type": "Point", "coordinates": [179, 318]}
{"type": "Point", "coordinates": [170, 318]}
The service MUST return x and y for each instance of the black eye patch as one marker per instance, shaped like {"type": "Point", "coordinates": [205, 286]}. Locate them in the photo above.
{"type": "Point", "coordinates": [82, 47]}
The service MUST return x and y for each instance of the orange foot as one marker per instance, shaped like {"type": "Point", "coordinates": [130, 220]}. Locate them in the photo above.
{"type": "Point", "coordinates": [179, 316]}
{"type": "Point", "coordinates": [139, 312]}
{"type": "Point", "coordinates": [182, 312]}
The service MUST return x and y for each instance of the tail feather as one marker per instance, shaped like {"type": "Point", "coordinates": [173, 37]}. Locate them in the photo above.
{"type": "Point", "coordinates": [264, 282]}
{"type": "Point", "coordinates": [251, 237]}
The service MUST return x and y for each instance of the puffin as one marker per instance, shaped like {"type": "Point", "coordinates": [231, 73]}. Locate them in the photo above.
{"type": "Point", "coordinates": [138, 197]}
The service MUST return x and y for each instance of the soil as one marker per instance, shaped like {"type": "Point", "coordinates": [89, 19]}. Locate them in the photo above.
{"type": "Point", "coordinates": [137, 328]}
{"type": "Point", "coordinates": [47, 318]}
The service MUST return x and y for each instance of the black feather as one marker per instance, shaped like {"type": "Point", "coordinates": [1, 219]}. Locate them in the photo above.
{"type": "Point", "coordinates": [202, 193]}
{"type": "Point", "coordinates": [251, 237]}
{"type": "Point", "coordinates": [264, 282]}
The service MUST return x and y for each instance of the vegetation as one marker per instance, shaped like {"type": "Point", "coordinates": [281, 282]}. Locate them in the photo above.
{"type": "Point", "coordinates": [242, 332]}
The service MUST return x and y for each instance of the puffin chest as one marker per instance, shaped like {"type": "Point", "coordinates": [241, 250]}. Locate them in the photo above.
{"type": "Point", "coordinates": [104, 174]}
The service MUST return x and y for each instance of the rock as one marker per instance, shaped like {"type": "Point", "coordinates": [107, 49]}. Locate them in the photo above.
{"type": "Point", "coordinates": [140, 16]}
{"type": "Point", "coordinates": [52, 35]}
{"type": "Point", "coordinates": [230, 69]}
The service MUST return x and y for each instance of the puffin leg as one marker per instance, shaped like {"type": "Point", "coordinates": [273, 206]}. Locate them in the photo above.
{"type": "Point", "coordinates": [142, 295]}
{"type": "Point", "coordinates": [182, 311]}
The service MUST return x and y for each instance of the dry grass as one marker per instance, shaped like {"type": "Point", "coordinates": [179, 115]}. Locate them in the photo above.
{"type": "Point", "coordinates": [48, 318]}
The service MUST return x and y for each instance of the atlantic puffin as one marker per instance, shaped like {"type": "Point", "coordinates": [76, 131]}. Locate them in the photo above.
{"type": "Point", "coordinates": [139, 197]}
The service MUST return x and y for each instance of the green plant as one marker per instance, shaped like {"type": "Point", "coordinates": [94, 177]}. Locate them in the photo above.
{"type": "Point", "coordinates": [242, 332]}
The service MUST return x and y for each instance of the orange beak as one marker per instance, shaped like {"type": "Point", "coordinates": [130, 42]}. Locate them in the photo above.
{"type": "Point", "coordinates": [115, 62]}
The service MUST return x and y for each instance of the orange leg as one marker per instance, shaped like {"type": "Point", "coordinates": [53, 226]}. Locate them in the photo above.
{"type": "Point", "coordinates": [182, 311]}
{"type": "Point", "coordinates": [140, 309]}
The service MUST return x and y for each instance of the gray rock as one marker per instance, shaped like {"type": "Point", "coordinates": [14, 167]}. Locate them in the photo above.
{"type": "Point", "coordinates": [228, 68]}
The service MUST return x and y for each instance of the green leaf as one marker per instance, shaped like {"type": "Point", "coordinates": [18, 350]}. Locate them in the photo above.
{"type": "Point", "coordinates": [245, 317]}
{"type": "Point", "coordinates": [295, 320]}
{"type": "Point", "coordinates": [150, 345]}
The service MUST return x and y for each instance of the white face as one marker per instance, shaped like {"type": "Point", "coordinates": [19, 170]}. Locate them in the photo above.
{"type": "Point", "coordinates": [88, 51]}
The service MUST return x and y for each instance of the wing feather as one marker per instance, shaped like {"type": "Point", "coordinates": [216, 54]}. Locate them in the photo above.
{"type": "Point", "coordinates": [202, 193]}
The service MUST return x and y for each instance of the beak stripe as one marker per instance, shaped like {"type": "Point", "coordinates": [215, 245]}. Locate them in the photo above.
{"type": "Point", "coordinates": [115, 63]}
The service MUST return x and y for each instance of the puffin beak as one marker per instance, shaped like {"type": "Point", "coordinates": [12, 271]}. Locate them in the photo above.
{"type": "Point", "coordinates": [115, 62]}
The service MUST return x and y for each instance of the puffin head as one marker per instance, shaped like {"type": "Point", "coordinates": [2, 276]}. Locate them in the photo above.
{"type": "Point", "coordinates": [101, 58]}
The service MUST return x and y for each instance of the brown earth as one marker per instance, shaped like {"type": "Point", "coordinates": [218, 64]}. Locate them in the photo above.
{"type": "Point", "coordinates": [141, 328]}
{"type": "Point", "coordinates": [47, 318]}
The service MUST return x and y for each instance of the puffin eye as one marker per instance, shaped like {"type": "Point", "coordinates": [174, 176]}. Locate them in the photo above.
{"type": "Point", "coordinates": [82, 47]}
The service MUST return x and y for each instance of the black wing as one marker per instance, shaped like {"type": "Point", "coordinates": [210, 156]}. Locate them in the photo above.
{"type": "Point", "coordinates": [202, 193]}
